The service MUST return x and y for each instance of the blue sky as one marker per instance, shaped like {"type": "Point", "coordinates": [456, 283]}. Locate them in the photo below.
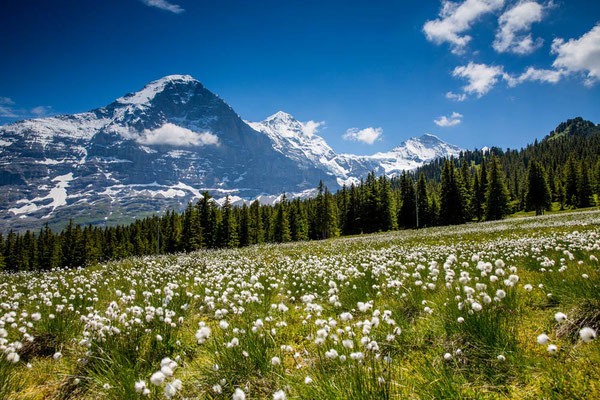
{"type": "Point", "coordinates": [501, 72]}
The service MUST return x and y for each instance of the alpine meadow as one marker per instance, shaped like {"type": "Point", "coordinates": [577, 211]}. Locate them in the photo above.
{"type": "Point", "coordinates": [426, 225]}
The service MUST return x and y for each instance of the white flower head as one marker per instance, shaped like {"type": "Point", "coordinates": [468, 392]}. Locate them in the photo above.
{"type": "Point", "coordinates": [587, 334]}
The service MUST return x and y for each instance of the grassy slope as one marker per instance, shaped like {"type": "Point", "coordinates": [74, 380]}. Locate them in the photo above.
{"type": "Point", "coordinates": [384, 268]}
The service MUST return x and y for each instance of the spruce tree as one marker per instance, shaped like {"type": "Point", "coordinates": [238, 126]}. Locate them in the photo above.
{"type": "Point", "coordinates": [255, 230]}
{"type": "Point", "coordinates": [353, 218]}
{"type": "Point", "coordinates": [298, 222]}
{"type": "Point", "coordinates": [281, 223]}
{"type": "Point", "coordinates": [228, 230]}
{"type": "Point", "coordinates": [408, 210]}
{"type": "Point", "coordinates": [496, 199]}
{"type": "Point", "coordinates": [388, 218]}
{"type": "Point", "coordinates": [423, 202]}
{"type": "Point", "coordinates": [538, 197]}
{"type": "Point", "coordinates": [452, 202]}
{"type": "Point", "coordinates": [571, 182]}
{"type": "Point", "coordinates": [465, 175]}
{"type": "Point", "coordinates": [479, 195]}
{"type": "Point", "coordinates": [2, 262]}
{"type": "Point", "coordinates": [244, 226]}
{"type": "Point", "coordinates": [584, 187]}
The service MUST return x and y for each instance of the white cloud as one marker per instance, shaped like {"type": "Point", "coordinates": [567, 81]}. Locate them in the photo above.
{"type": "Point", "coordinates": [368, 135]}
{"type": "Point", "coordinates": [173, 135]}
{"type": "Point", "coordinates": [311, 127]}
{"type": "Point", "coordinates": [534, 74]}
{"type": "Point", "coordinates": [454, 119]}
{"type": "Point", "coordinates": [580, 55]}
{"type": "Point", "coordinates": [7, 112]}
{"type": "Point", "coordinates": [457, 18]}
{"type": "Point", "coordinates": [481, 77]}
{"type": "Point", "coordinates": [511, 36]}
{"type": "Point", "coordinates": [456, 97]}
{"type": "Point", "coordinates": [41, 111]}
{"type": "Point", "coordinates": [164, 5]}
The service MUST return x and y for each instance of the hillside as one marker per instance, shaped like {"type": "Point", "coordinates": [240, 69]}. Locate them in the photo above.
{"type": "Point", "coordinates": [500, 309]}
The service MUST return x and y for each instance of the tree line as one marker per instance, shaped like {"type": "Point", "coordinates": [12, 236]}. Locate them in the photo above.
{"type": "Point", "coordinates": [476, 186]}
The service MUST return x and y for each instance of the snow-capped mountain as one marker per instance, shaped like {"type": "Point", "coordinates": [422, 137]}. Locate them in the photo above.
{"type": "Point", "coordinates": [298, 141]}
{"type": "Point", "coordinates": [160, 147]}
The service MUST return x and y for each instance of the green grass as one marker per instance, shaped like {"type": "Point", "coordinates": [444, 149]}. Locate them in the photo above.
{"type": "Point", "coordinates": [114, 323]}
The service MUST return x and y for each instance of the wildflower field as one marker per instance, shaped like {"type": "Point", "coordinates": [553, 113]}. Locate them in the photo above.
{"type": "Point", "coordinates": [498, 310]}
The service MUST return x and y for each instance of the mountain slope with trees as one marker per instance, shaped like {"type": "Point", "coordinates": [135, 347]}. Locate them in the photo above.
{"type": "Point", "coordinates": [563, 168]}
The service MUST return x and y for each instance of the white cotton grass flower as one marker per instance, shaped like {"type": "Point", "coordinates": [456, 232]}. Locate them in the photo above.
{"type": "Point", "coordinates": [552, 348]}
{"type": "Point", "coordinates": [157, 378]}
{"type": "Point", "coordinates": [223, 324]}
{"type": "Point", "coordinates": [13, 357]}
{"type": "Point", "coordinates": [279, 395]}
{"type": "Point", "coordinates": [308, 380]}
{"type": "Point", "coordinates": [202, 334]}
{"type": "Point", "coordinates": [140, 386]}
{"type": "Point", "coordinates": [57, 355]}
{"type": "Point", "coordinates": [501, 357]}
{"type": "Point", "coordinates": [447, 356]}
{"type": "Point", "coordinates": [238, 394]}
{"type": "Point", "coordinates": [172, 388]}
{"type": "Point", "coordinates": [560, 317]}
{"type": "Point", "coordinates": [587, 334]}
{"type": "Point", "coordinates": [276, 361]}
{"type": "Point", "coordinates": [543, 339]}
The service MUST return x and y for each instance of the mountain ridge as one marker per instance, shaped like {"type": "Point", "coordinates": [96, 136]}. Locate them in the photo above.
{"type": "Point", "coordinates": [158, 148]}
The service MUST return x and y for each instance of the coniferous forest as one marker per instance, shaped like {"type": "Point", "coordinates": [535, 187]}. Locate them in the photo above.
{"type": "Point", "coordinates": [563, 168]}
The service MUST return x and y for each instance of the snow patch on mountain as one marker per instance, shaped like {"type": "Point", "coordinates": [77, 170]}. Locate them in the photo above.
{"type": "Point", "coordinates": [152, 89]}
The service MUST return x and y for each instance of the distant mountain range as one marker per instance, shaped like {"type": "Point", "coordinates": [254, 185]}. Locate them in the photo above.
{"type": "Point", "coordinates": [160, 147]}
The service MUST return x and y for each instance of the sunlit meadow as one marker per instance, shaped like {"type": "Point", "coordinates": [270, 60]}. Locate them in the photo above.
{"type": "Point", "coordinates": [505, 309]}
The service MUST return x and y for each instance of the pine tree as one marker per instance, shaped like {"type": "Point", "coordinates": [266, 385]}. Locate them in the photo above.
{"type": "Point", "coordinates": [228, 231]}
{"type": "Point", "coordinates": [597, 176]}
{"type": "Point", "coordinates": [538, 197]}
{"type": "Point", "coordinates": [244, 226]}
{"type": "Point", "coordinates": [298, 221]}
{"type": "Point", "coordinates": [496, 198]}
{"type": "Point", "coordinates": [281, 223]}
{"type": "Point", "coordinates": [584, 187]}
{"type": "Point", "coordinates": [370, 204]}
{"type": "Point", "coordinates": [479, 194]}
{"type": "Point", "coordinates": [208, 220]}
{"type": "Point", "coordinates": [2, 261]}
{"type": "Point", "coordinates": [255, 230]}
{"type": "Point", "coordinates": [465, 175]}
{"type": "Point", "coordinates": [452, 202]}
{"type": "Point", "coordinates": [343, 208]}
{"type": "Point", "coordinates": [387, 212]}
{"type": "Point", "coordinates": [571, 182]}
{"type": "Point", "coordinates": [408, 210]}
{"type": "Point", "coordinates": [353, 217]}
{"type": "Point", "coordinates": [423, 202]}
{"type": "Point", "coordinates": [192, 230]}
